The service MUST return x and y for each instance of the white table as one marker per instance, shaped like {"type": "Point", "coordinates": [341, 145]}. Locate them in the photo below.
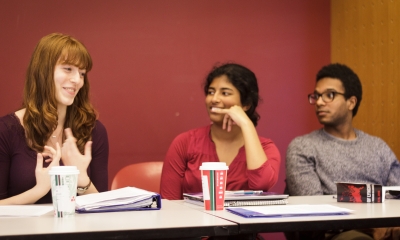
{"type": "Point", "coordinates": [366, 215]}
{"type": "Point", "coordinates": [172, 221]}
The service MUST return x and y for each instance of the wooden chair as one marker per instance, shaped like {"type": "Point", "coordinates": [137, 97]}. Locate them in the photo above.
{"type": "Point", "coordinates": [144, 175]}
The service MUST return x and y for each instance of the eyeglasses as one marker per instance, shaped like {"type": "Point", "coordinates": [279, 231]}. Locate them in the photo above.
{"type": "Point", "coordinates": [327, 96]}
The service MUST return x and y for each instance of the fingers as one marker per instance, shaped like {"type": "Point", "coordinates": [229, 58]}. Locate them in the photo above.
{"type": "Point", "coordinates": [225, 121]}
{"type": "Point", "coordinates": [55, 154]}
{"type": "Point", "coordinates": [58, 153]}
{"type": "Point", "coordinates": [50, 151]}
{"type": "Point", "coordinates": [39, 158]}
{"type": "Point", "coordinates": [230, 123]}
{"type": "Point", "coordinates": [88, 149]}
{"type": "Point", "coordinates": [69, 135]}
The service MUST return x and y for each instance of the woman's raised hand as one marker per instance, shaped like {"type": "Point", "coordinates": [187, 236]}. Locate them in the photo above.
{"type": "Point", "coordinates": [235, 115]}
{"type": "Point", "coordinates": [41, 173]}
{"type": "Point", "coordinates": [72, 157]}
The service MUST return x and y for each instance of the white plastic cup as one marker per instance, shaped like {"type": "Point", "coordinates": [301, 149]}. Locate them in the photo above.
{"type": "Point", "coordinates": [213, 178]}
{"type": "Point", "coordinates": [64, 180]}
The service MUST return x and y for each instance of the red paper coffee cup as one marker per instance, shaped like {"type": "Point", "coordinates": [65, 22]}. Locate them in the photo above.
{"type": "Point", "coordinates": [213, 177]}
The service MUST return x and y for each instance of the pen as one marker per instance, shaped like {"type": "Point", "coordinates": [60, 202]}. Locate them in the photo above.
{"type": "Point", "coordinates": [245, 192]}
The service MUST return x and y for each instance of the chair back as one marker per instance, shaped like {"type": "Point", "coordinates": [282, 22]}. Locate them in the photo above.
{"type": "Point", "coordinates": [144, 175]}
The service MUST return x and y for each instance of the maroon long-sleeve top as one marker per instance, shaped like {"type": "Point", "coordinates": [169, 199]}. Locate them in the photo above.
{"type": "Point", "coordinates": [18, 161]}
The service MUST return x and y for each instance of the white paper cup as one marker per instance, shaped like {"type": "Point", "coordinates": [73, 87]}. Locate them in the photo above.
{"type": "Point", "coordinates": [64, 180]}
{"type": "Point", "coordinates": [213, 178]}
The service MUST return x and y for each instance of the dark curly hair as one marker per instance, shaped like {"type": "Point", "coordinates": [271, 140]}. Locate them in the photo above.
{"type": "Point", "coordinates": [245, 82]}
{"type": "Point", "coordinates": [350, 81]}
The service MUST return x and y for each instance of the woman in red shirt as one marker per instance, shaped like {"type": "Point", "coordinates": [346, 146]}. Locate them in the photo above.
{"type": "Point", "coordinates": [231, 100]}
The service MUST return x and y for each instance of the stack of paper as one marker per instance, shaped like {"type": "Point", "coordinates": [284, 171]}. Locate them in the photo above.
{"type": "Point", "coordinates": [123, 199]}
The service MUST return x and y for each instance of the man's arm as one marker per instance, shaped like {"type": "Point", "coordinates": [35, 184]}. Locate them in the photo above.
{"type": "Point", "coordinates": [393, 178]}
{"type": "Point", "coordinates": [301, 175]}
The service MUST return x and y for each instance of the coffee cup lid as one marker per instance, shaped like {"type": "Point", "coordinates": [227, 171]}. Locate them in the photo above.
{"type": "Point", "coordinates": [63, 170]}
{"type": "Point", "coordinates": [213, 166]}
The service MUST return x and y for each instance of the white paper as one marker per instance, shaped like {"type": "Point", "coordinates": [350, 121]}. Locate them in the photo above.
{"type": "Point", "coordinates": [122, 196]}
{"type": "Point", "coordinates": [24, 210]}
{"type": "Point", "coordinates": [304, 209]}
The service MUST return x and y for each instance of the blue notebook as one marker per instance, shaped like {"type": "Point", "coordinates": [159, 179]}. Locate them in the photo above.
{"type": "Point", "coordinates": [123, 199]}
{"type": "Point", "coordinates": [289, 211]}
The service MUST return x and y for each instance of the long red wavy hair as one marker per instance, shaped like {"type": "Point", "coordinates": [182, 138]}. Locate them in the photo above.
{"type": "Point", "coordinates": [41, 118]}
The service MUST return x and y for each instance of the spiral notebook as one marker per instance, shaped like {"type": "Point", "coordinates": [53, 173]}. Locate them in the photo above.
{"type": "Point", "coordinates": [240, 200]}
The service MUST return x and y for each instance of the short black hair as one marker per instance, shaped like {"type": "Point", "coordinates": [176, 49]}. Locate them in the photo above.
{"type": "Point", "coordinates": [245, 82]}
{"type": "Point", "coordinates": [350, 81]}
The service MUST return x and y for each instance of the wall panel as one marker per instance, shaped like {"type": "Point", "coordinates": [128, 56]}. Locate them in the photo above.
{"type": "Point", "coordinates": [365, 35]}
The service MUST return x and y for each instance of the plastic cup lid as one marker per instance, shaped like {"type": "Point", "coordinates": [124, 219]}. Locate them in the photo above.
{"type": "Point", "coordinates": [63, 170]}
{"type": "Point", "coordinates": [213, 166]}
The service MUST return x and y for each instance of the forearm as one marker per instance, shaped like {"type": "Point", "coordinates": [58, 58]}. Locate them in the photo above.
{"type": "Point", "coordinates": [255, 154]}
{"type": "Point", "coordinates": [263, 178]}
{"type": "Point", "coordinates": [28, 197]}
{"type": "Point", "coordinates": [301, 178]}
{"type": "Point", "coordinates": [171, 183]}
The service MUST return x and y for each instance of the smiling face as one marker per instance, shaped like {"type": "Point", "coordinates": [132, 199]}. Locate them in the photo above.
{"type": "Point", "coordinates": [221, 94]}
{"type": "Point", "coordinates": [68, 80]}
{"type": "Point", "coordinates": [337, 112]}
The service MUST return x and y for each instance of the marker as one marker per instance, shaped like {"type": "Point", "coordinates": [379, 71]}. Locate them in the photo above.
{"type": "Point", "coordinates": [245, 192]}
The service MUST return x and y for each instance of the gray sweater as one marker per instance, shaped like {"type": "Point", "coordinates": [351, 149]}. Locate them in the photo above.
{"type": "Point", "coordinates": [314, 162]}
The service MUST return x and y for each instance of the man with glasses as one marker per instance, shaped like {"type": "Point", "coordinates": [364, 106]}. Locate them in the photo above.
{"type": "Point", "coordinates": [338, 152]}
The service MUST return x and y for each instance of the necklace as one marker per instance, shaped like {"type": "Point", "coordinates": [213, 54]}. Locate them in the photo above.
{"type": "Point", "coordinates": [56, 137]}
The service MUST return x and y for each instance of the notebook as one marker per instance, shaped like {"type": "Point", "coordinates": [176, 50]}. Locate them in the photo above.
{"type": "Point", "coordinates": [238, 200]}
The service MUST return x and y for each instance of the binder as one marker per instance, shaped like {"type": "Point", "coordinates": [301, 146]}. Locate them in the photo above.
{"type": "Point", "coordinates": [123, 199]}
{"type": "Point", "coordinates": [240, 200]}
{"type": "Point", "coordinates": [289, 211]}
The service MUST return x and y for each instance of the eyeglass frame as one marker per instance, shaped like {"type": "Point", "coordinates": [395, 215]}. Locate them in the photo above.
{"type": "Point", "coordinates": [320, 95]}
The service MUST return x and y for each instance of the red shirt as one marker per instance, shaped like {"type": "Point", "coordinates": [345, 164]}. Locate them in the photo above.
{"type": "Point", "coordinates": [189, 150]}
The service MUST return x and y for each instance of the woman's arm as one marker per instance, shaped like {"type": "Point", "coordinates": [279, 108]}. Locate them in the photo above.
{"type": "Point", "coordinates": [174, 168]}
{"type": "Point", "coordinates": [255, 155]}
{"type": "Point", "coordinates": [72, 157]}
{"type": "Point", "coordinates": [42, 186]}
{"type": "Point", "coordinates": [262, 158]}
{"type": "Point", "coordinates": [266, 176]}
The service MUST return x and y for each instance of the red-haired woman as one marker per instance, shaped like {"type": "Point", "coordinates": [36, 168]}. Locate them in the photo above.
{"type": "Point", "coordinates": [56, 125]}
